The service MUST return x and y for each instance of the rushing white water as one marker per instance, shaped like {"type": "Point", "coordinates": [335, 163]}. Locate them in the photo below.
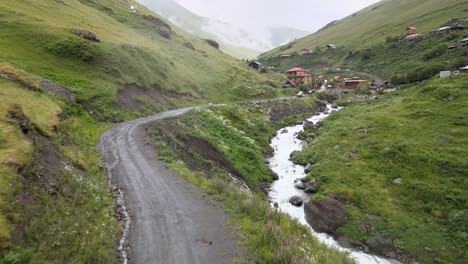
{"type": "Point", "coordinates": [282, 190]}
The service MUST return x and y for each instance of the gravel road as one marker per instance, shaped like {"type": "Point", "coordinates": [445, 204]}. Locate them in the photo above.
{"type": "Point", "coordinates": [171, 221]}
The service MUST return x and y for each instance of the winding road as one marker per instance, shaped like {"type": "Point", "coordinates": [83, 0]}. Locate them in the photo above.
{"type": "Point", "coordinates": [171, 221]}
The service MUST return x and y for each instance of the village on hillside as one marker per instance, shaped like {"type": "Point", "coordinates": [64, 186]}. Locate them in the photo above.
{"type": "Point", "coordinates": [298, 77]}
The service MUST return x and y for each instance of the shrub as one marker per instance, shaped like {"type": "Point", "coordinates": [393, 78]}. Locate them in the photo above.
{"type": "Point", "coordinates": [75, 48]}
{"type": "Point", "coordinates": [435, 52]}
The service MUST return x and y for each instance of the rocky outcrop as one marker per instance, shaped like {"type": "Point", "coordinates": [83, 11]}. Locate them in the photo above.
{"type": "Point", "coordinates": [310, 126]}
{"type": "Point", "coordinates": [308, 168]}
{"type": "Point", "coordinates": [189, 45]}
{"type": "Point", "coordinates": [165, 32]}
{"type": "Point", "coordinates": [88, 35]}
{"type": "Point", "coordinates": [296, 200]}
{"type": "Point", "coordinates": [274, 175]}
{"type": "Point", "coordinates": [310, 187]}
{"type": "Point", "coordinates": [382, 246]}
{"type": "Point", "coordinates": [163, 28]}
{"type": "Point", "coordinates": [325, 215]}
{"type": "Point", "coordinates": [58, 90]}
{"type": "Point", "coordinates": [212, 43]}
{"type": "Point", "coordinates": [294, 153]}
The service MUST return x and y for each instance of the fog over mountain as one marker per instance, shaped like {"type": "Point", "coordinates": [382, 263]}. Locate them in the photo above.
{"type": "Point", "coordinates": [239, 41]}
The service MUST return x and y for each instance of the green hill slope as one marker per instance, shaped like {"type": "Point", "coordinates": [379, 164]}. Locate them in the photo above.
{"type": "Point", "coordinates": [67, 70]}
{"type": "Point", "coordinates": [170, 67]}
{"type": "Point", "coordinates": [372, 25]}
{"type": "Point", "coordinates": [400, 162]}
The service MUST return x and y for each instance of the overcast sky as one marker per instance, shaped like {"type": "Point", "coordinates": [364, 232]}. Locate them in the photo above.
{"type": "Point", "coordinates": [308, 15]}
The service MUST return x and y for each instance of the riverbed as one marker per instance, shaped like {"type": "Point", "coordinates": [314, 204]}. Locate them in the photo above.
{"type": "Point", "coordinates": [283, 189]}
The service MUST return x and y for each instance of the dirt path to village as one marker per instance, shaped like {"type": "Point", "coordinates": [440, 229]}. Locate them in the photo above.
{"type": "Point", "coordinates": [171, 222]}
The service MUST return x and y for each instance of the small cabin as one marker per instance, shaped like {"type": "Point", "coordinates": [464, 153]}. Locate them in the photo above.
{"type": "Point", "coordinates": [331, 46]}
{"type": "Point", "coordinates": [255, 65]}
{"type": "Point", "coordinates": [410, 31]}
{"type": "Point", "coordinates": [352, 83]}
{"type": "Point", "coordinates": [284, 56]}
{"type": "Point", "coordinates": [412, 37]}
{"type": "Point", "coordinates": [306, 52]}
{"type": "Point", "coordinates": [289, 84]}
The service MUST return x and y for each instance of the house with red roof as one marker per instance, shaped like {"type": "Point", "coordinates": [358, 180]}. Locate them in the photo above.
{"type": "Point", "coordinates": [299, 75]}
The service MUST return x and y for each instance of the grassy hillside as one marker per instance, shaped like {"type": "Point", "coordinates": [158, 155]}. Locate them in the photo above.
{"type": "Point", "coordinates": [37, 37]}
{"type": "Point", "coordinates": [372, 25]}
{"type": "Point", "coordinates": [55, 201]}
{"type": "Point", "coordinates": [416, 136]}
{"type": "Point", "coordinates": [369, 41]}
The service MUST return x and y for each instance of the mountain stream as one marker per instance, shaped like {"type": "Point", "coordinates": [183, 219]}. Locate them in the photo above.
{"type": "Point", "coordinates": [283, 189]}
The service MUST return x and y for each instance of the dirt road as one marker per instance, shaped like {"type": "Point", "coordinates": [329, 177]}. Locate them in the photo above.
{"type": "Point", "coordinates": [171, 222]}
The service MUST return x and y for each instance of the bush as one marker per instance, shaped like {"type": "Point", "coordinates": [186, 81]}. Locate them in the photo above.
{"type": "Point", "coordinates": [75, 48]}
{"type": "Point", "coordinates": [435, 52]}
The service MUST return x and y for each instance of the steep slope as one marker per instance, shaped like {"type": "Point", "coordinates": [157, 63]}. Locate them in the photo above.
{"type": "Point", "coordinates": [387, 18]}
{"type": "Point", "coordinates": [159, 65]}
{"type": "Point", "coordinates": [400, 163]}
{"type": "Point", "coordinates": [236, 41]}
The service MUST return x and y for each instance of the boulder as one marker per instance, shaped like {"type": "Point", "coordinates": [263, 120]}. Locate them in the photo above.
{"type": "Point", "coordinates": [381, 246]}
{"type": "Point", "coordinates": [273, 174]}
{"type": "Point", "coordinates": [310, 126]}
{"type": "Point", "coordinates": [296, 200]}
{"type": "Point", "coordinates": [294, 153]}
{"type": "Point", "coordinates": [189, 45]}
{"type": "Point", "coordinates": [308, 168]}
{"type": "Point", "coordinates": [334, 106]}
{"type": "Point", "coordinates": [325, 215]}
{"type": "Point", "coordinates": [337, 147]}
{"type": "Point", "coordinates": [165, 32]}
{"type": "Point", "coordinates": [300, 186]}
{"type": "Point", "coordinates": [88, 35]}
{"type": "Point", "coordinates": [310, 187]}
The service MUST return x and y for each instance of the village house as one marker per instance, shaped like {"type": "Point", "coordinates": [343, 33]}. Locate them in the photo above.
{"type": "Point", "coordinates": [306, 52]}
{"type": "Point", "coordinates": [352, 83]}
{"type": "Point", "coordinates": [339, 81]}
{"type": "Point", "coordinates": [464, 69]}
{"type": "Point", "coordinates": [412, 37]}
{"type": "Point", "coordinates": [255, 65]}
{"type": "Point", "coordinates": [331, 46]}
{"type": "Point", "coordinates": [284, 56]}
{"type": "Point", "coordinates": [410, 31]}
{"type": "Point", "coordinates": [299, 75]}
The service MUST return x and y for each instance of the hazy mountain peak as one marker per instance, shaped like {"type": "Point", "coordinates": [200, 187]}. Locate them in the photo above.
{"type": "Point", "coordinates": [236, 41]}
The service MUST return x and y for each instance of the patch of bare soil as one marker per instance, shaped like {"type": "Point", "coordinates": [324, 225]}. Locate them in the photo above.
{"type": "Point", "coordinates": [133, 97]}
{"type": "Point", "coordinates": [130, 97]}
{"type": "Point", "coordinates": [58, 90]}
